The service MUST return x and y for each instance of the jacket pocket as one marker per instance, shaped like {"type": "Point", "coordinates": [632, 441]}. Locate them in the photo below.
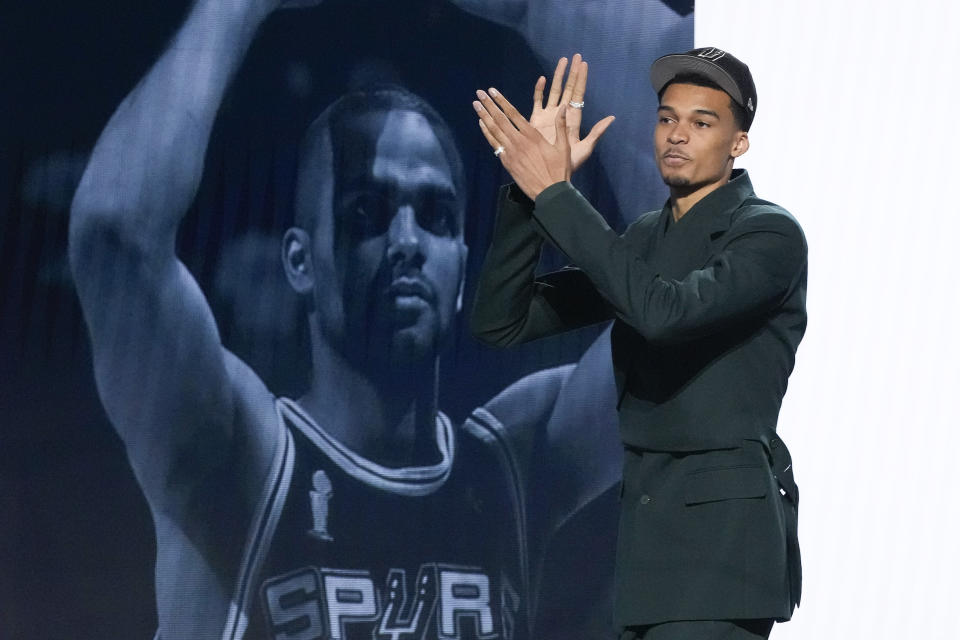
{"type": "Point", "coordinates": [724, 483]}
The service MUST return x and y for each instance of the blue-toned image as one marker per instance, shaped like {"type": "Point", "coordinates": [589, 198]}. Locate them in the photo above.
{"type": "Point", "coordinates": [241, 400]}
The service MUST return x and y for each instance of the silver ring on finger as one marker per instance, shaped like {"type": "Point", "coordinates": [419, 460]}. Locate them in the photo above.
{"type": "Point", "coordinates": [576, 105]}
{"type": "Point", "coordinates": [498, 151]}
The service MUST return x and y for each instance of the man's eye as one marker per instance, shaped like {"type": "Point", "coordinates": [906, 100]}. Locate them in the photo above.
{"type": "Point", "coordinates": [702, 125]}
{"type": "Point", "coordinates": [438, 215]}
{"type": "Point", "coordinates": [369, 214]}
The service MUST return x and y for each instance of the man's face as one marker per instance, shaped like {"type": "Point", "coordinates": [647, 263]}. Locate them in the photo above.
{"type": "Point", "coordinates": [696, 137]}
{"type": "Point", "coordinates": [398, 252]}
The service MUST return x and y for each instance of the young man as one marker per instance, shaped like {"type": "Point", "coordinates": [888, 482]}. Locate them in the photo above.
{"type": "Point", "coordinates": [708, 301]}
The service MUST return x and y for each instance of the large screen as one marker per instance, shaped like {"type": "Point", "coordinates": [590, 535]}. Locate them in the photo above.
{"type": "Point", "coordinates": [240, 396]}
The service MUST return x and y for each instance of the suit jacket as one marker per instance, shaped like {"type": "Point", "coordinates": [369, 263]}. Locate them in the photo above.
{"type": "Point", "coordinates": [708, 312]}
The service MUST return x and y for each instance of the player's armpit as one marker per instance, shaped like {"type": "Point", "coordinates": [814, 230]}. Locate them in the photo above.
{"type": "Point", "coordinates": [158, 361]}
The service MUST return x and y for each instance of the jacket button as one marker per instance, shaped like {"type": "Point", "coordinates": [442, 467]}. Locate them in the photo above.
{"type": "Point", "coordinates": [645, 499]}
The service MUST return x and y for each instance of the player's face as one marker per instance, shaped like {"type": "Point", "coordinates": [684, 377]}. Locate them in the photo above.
{"type": "Point", "coordinates": [398, 249]}
{"type": "Point", "coordinates": [696, 137]}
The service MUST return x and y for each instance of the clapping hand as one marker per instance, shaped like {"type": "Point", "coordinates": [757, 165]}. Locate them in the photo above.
{"type": "Point", "coordinates": [542, 117]}
{"type": "Point", "coordinates": [547, 148]}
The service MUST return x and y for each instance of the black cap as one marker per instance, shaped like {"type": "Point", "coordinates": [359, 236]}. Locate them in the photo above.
{"type": "Point", "coordinates": [716, 64]}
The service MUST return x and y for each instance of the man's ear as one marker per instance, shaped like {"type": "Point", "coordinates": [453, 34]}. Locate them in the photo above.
{"type": "Point", "coordinates": [740, 144]}
{"type": "Point", "coordinates": [297, 262]}
{"type": "Point", "coordinates": [464, 251]}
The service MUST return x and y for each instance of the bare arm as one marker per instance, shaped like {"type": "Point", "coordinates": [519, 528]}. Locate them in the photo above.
{"type": "Point", "coordinates": [168, 386]}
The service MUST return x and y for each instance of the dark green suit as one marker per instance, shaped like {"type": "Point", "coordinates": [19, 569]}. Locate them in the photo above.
{"type": "Point", "coordinates": [708, 313]}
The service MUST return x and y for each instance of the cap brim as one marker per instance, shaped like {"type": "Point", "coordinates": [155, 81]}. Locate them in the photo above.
{"type": "Point", "coordinates": [665, 69]}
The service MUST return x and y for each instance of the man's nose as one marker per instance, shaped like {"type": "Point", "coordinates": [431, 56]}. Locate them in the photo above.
{"type": "Point", "coordinates": [403, 238]}
{"type": "Point", "coordinates": [677, 134]}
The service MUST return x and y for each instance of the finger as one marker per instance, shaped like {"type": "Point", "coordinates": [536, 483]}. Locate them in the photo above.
{"type": "Point", "coordinates": [515, 117]}
{"type": "Point", "coordinates": [538, 95]}
{"type": "Point", "coordinates": [598, 130]}
{"type": "Point", "coordinates": [557, 83]}
{"type": "Point", "coordinates": [494, 118]}
{"type": "Point", "coordinates": [580, 88]}
{"type": "Point", "coordinates": [571, 79]}
{"type": "Point", "coordinates": [491, 139]}
{"type": "Point", "coordinates": [489, 124]}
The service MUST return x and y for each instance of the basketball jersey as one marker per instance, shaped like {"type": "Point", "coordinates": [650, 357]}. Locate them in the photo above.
{"type": "Point", "coordinates": [343, 548]}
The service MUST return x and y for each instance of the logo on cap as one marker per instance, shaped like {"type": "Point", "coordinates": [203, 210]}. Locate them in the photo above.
{"type": "Point", "coordinates": [750, 104]}
{"type": "Point", "coordinates": [713, 54]}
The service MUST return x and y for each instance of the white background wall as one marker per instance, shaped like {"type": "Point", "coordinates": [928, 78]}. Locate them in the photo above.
{"type": "Point", "coordinates": [858, 134]}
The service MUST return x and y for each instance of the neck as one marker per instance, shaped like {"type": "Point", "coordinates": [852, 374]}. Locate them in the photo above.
{"type": "Point", "coordinates": [683, 198]}
{"type": "Point", "coordinates": [387, 415]}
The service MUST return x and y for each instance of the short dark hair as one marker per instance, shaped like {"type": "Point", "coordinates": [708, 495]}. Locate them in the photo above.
{"type": "Point", "coordinates": [322, 140]}
{"type": "Point", "coordinates": [739, 113]}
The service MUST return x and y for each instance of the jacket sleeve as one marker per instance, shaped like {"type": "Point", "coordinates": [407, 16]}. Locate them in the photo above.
{"type": "Point", "coordinates": [756, 268]}
{"type": "Point", "coordinates": [511, 305]}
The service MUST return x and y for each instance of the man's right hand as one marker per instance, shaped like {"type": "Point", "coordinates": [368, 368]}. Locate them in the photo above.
{"type": "Point", "coordinates": [543, 116]}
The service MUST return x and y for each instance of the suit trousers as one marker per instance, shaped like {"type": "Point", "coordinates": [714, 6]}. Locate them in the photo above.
{"type": "Point", "coordinates": [701, 630]}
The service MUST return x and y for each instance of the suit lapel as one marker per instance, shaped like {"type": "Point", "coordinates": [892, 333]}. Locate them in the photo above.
{"type": "Point", "coordinates": [689, 243]}
{"type": "Point", "coordinates": [675, 249]}
{"type": "Point", "coordinates": [713, 236]}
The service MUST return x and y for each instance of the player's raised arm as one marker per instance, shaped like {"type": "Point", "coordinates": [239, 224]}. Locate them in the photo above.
{"type": "Point", "coordinates": [165, 381]}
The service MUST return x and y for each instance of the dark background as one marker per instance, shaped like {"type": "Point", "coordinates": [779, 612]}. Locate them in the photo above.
{"type": "Point", "coordinates": [76, 541]}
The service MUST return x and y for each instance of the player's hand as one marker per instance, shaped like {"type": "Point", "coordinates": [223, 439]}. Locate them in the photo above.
{"type": "Point", "coordinates": [544, 115]}
{"type": "Point", "coordinates": [532, 161]}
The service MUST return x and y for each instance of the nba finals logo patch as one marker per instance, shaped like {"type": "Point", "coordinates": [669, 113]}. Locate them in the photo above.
{"type": "Point", "coordinates": [320, 497]}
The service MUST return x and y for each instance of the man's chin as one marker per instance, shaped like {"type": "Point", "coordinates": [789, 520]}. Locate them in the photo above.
{"type": "Point", "coordinates": [677, 182]}
{"type": "Point", "coordinates": [411, 346]}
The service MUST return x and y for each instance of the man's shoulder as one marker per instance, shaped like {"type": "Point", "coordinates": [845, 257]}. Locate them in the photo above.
{"type": "Point", "coordinates": [757, 213]}
{"type": "Point", "coordinates": [552, 405]}
{"type": "Point", "coordinates": [754, 206]}
{"type": "Point", "coordinates": [524, 405]}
